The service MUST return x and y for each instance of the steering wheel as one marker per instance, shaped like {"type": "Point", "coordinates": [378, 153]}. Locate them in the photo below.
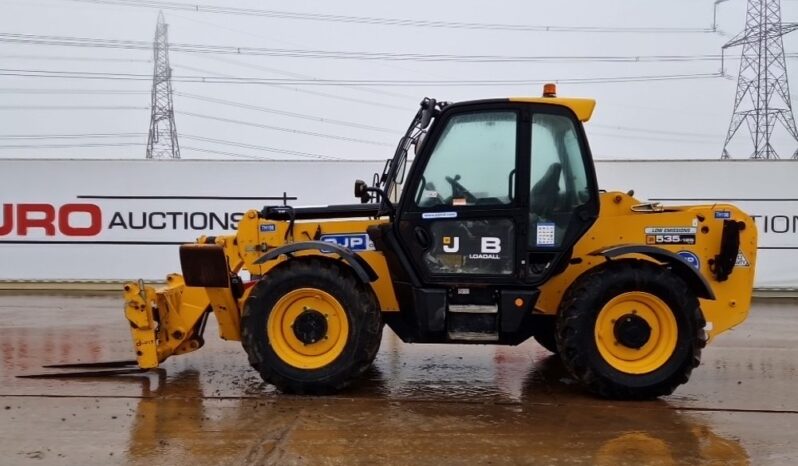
{"type": "Point", "coordinates": [459, 191]}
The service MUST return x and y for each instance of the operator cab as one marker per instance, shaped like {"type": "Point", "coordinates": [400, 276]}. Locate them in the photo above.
{"type": "Point", "coordinates": [498, 194]}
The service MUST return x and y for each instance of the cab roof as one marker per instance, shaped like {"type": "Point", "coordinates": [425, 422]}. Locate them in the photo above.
{"type": "Point", "coordinates": [582, 108]}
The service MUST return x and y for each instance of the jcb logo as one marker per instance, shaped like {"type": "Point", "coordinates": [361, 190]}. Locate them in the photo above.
{"type": "Point", "coordinates": [451, 244]}
{"type": "Point", "coordinates": [488, 244]}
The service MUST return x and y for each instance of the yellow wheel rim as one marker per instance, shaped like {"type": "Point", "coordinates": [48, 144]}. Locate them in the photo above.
{"type": "Point", "coordinates": [655, 351]}
{"type": "Point", "coordinates": [284, 341]}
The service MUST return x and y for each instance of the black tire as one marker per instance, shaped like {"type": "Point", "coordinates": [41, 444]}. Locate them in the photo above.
{"type": "Point", "coordinates": [546, 333]}
{"type": "Point", "coordinates": [578, 315]}
{"type": "Point", "coordinates": [361, 309]}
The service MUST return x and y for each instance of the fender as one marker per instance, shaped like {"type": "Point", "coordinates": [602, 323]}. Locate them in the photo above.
{"type": "Point", "coordinates": [362, 268]}
{"type": "Point", "coordinates": [697, 282]}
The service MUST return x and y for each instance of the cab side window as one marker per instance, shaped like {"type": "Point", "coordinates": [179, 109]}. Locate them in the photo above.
{"type": "Point", "coordinates": [472, 162]}
{"type": "Point", "coordinates": [558, 179]}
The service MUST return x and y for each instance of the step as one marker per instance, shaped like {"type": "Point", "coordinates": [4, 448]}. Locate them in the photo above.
{"type": "Point", "coordinates": [474, 308]}
{"type": "Point", "coordinates": [473, 336]}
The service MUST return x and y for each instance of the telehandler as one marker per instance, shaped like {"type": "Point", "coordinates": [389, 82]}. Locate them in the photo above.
{"type": "Point", "coordinates": [498, 233]}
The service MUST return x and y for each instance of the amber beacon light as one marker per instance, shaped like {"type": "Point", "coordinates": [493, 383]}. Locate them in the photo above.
{"type": "Point", "coordinates": [549, 90]}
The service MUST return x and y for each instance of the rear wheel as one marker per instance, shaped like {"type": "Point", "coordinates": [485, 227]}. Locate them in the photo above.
{"type": "Point", "coordinates": [311, 327]}
{"type": "Point", "coordinates": [631, 329]}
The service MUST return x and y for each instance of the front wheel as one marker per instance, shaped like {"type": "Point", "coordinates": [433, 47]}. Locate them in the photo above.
{"type": "Point", "coordinates": [311, 327]}
{"type": "Point", "coordinates": [630, 330]}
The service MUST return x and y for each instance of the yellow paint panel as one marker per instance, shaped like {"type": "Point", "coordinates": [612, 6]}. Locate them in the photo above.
{"type": "Point", "coordinates": [619, 224]}
{"type": "Point", "coordinates": [583, 108]}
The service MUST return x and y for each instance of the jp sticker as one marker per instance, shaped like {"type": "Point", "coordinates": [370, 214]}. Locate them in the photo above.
{"type": "Point", "coordinates": [722, 214]}
{"type": "Point", "coordinates": [545, 235]}
{"type": "Point", "coordinates": [266, 227]}
{"type": "Point", "coordinates": [354, 241]}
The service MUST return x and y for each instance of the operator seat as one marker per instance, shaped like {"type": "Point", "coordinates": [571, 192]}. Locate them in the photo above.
{"type": "Point", "coordinates": [545, 195]}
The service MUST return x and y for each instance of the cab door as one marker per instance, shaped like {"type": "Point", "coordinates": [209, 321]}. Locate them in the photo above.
{"type": "Point", "coordinates": [563, 197]}
{"type": "Point", "coordinates": [461, 220]}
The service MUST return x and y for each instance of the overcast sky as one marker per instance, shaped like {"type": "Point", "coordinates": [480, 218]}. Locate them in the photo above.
{"type": "Point", "coordinates": [650, 119]}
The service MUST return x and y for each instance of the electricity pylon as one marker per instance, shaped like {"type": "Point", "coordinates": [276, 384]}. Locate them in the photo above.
{"type": "Point", "coordinates": [763, 93]}
{"type": "Point", "coordinates": [162, 140]}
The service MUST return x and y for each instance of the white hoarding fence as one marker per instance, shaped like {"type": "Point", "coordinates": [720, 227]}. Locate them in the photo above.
{"type": "Point", "coordinates": [122, 219]}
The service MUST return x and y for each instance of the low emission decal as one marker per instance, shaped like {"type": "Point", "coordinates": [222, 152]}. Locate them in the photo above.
{"type": "Point", "coordinates": [670, 235]}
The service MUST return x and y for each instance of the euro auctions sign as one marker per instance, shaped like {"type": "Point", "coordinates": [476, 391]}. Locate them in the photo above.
{"type": "Point", "coordinates": [88, 221]}
{"type": "Point", "coordinates": [126, 219]}
{"type": "Point", "coordinates": [78, 220]}
{"type": "Point", "coordinates": [122, 219]}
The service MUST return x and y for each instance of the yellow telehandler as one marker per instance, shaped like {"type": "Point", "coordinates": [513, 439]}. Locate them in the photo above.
{"type": "Point", "coordinates": [498, 233]}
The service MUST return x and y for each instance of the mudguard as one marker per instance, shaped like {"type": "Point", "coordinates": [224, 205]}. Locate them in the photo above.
{"type": "Point", "coordinates": [362, 269]}
{"type": "Point", "coordinates": [697, 282]}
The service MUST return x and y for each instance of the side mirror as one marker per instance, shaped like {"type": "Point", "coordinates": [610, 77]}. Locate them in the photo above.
{"type": "Point", "coordinates": [361, 191]}
{"type": "Point", "coordinates": [427, 112]}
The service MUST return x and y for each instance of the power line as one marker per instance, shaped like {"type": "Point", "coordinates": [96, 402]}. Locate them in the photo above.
{"type": "Point", "coordinates": [303, 116]}
{"type": "Point", "coordinates": [65, 146]}
{"type": "Point", "coordinates": [262, 148]}
{"type": "Point", "coordinates": [71, 107]}
{"type": "Point", "coordinates": [644, 138]}
{"type": "Point", "coordinates": [304, 91]}
{"type": "Point", "coordinates": [283, 72]}
{"type": "Point", "coordinates": [351, 82]}
{"type": "Point", "coordinates": [654, 131]}
{"type": "Point", "coordinates": [38, 137]}
{"type": "Point", "coordinates": [229, 154]}
{"type": "Point", "coordinates": [287, 130]}
{"type": "Point", "coordinates": [67, 58]}
{"type": "Point", "coordinates": [69, 136]}
{"type": "Point", "coordinates": [7, 90]}
{"type": "Point", "coordinates": [68, 41]}
{"type": "Point", "coordinates": [381, 21]}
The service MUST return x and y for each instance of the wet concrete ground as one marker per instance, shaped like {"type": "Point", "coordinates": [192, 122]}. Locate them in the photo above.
{"type": "Point", "coordinates": [420, 404]}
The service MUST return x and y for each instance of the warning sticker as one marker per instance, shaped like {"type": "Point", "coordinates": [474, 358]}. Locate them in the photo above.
{"type": "Point", "coordinates": [545, 234]}
{"type": "Point", "coordinates": [741, 260]}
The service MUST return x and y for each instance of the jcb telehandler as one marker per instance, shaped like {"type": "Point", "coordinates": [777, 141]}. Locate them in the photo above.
{"type": "Point", "coordinates": [498, 233]}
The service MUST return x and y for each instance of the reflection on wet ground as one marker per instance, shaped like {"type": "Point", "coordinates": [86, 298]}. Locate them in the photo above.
{"type": "Point", "coordinates": [419, 403]}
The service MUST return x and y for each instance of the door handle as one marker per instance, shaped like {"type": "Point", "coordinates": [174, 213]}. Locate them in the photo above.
{"type": "Point", "coordinates": [511, 185]}
{"type": "Point", "coordinates": [422, 237]}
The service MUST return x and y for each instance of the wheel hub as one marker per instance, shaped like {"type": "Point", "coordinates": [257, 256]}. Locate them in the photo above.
{"type": "Point", "coordinates": [310, 326]}
{"type": "Point", "coordinates": [632, 331]}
